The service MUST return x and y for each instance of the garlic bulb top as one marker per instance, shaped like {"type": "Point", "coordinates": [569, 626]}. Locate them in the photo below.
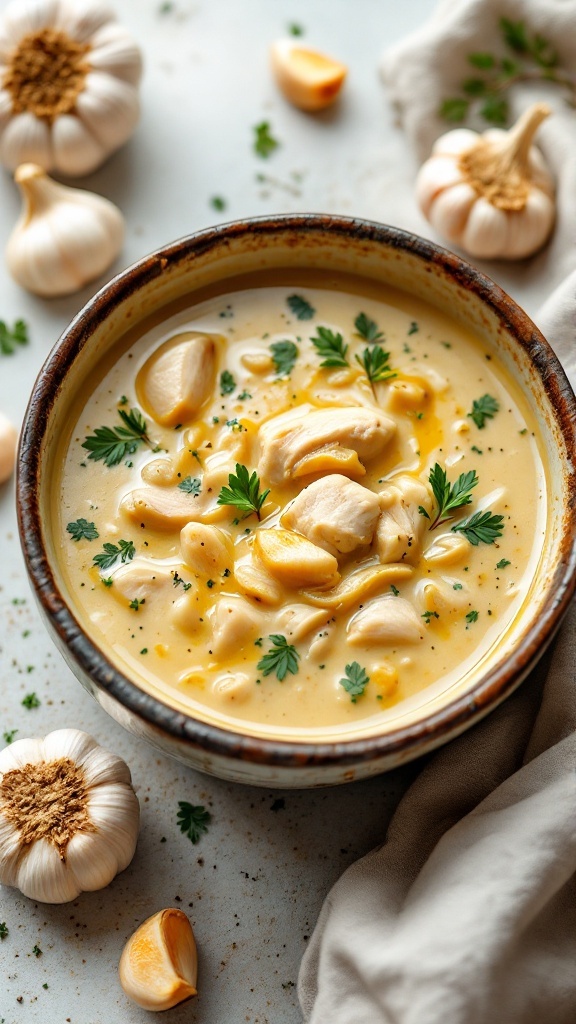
{"type": "Point", "coordinates": [68, 84]}
{"type": "Point", "coordinates": [68, 816]}
{"type": "Point", "coordinates": [64, 237]}
{"type": "Point", "coordinates": [491, 193]}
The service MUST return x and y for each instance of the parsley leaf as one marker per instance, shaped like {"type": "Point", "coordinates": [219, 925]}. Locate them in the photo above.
{"type": "Point", "coordinates": [300, 307]}
{"type": "Point", "coordinates": [330, 345]}
{"type": "Point", "coordinates": [135, 604]}
{"type": "Point", "coordinates": [367, 328]}
{"type": "Point", "coordinates": [31, 701]}
{"type": "Point", "coordinates": [471, 616]}
{"type": "Point", "coordinates": [82, 530]}
{"type": "Point", "coordinates": [284, 355]}
{"type": "Point", "coordinates": [124, 550]}
{"type": "Point", "coordinates": [264, 141]}
{"type": "Point", "coordinates": [414, 328]}
{"type": "Point", "coordinates": [450, 497]}
{"type": "Point", "coordinates": [281, 658]}
{"type": "Point", "coordinates": [4, 930]}
{"type": "Point", "coordinates": [218, 203]}
{"type": "Point", "coordinates": [454, 110]}
{"type": "Point", "coordinates": [483, 409]}
{"type": "Point", "coordinates": [11, 338]}
{"type": "Point", "coordinates": [502, 563]}
{"type": "Point", "coordinates": [227, 383]}
{"type": "Point", "coordinates": [9, 735]}
{"type": "Point", "coordinates": [355, 681]}
{"type": "Point", "coordinates": [193, 820]}
{"type": "Point", "coordinates": [190, 485]}
{"type": "Point", "coordinates": [374, 362]}
{"type": "Point", "coordinates": [482, 527]}
{"type": "Point", "coordinates": [112, 443]}
{"type": "Point", "coordinates": [243, 492]}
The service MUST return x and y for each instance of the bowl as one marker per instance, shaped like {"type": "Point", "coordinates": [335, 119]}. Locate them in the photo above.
{"type": "Point", "coordinates": [297, 245]}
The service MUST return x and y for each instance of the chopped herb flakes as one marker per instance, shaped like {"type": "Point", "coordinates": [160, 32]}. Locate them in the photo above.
{"type": "Point", "coordinates": [502, 563]}
{"type": "Point", "coordinates": [430, 615]}
{"type": "Point", "coordinates": [414, 328]}
{"type": "Point", "coordinates": [227, 383]}
{"type": "Point", "coordinates": [193, 820]}
{"type": "Point", "coordinates": [9, 735]}
{"type": "Point", "coordinates": [4, 930]}
{"type": "Point", "coordinates": [264, 141]}
{"type": "Point", "coordinates": [124, 550]}
{"type": "Point", "coordinates": [12, 338]}
{"type": "Point", "coordinates": [284, 355]}
{"type": "Point", "coordinates": [355, 681]}
{"type": "Point", "coordinates": [301, 309]}
{"type": "Point", "coordinates": [135, 604]}
{"type": "Point", "coordinates": [190, 485]}
{"type": "Point", "coordinates": [31, 701]}
{"type": "Point", "coordinates": [282, 658]}
{"type": "Point", "coordinates": [218, 203]}
{"type": "Point", "coordinates": [483, 409]}
{"type": "Point", "coordinates": [82, 530]}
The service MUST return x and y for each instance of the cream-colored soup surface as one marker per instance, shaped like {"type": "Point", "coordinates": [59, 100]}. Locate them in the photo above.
{"type": "Point", "coordinates": [347, 598]}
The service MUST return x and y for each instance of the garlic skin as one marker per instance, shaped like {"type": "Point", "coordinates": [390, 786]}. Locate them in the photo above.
{"type": "Point", "coordinates": [68, 816]}
{"type": "Point", "coordinates": [159, 964]}
{"type": "Point", "coordinates": [64, 237]}
{"type": "Point", "coordinates": [491, 194]}
{"type": "Point", "coordinates": [8, 439]}
{"type": "Point", "coordinates": [69, 78]}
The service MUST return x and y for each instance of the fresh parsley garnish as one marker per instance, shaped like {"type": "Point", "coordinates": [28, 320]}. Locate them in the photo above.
{"type": "Point", "coordinates": [227, 383]}
{"type": "Point", "coordinates": [449, 497]}
{"type": "Point", "coordinates": [4, 930]}
{"type": "Point", "coordinates": [330, 345]}
{"type": "Point", "coordinates": [243, 492]}
{"type": "Point", "coordinates": [264, 141]}
{"type": "Point", "coordinates": [37, 951]}
{"type": "Point", "coordinates": [284, 355]}
{"type": "Point", "coordinates": [190, 485]}
{"type": "Point", "coordinates": [218, 203]}
{"type": "Point", "coordinates": [9, 735]}
{"type": "Point", "coordinates": [135, 604]}
{"type": "Point", "coordinates": [82, 530]}
{"type": "Point", "coordinates": [193, 820]}
{"type": "Point", "coordinates": [112, 444]}
{"type": "Point", "coordinates": [471, 616]}
{"type": "Point", "coordinates": [355, 681]}
{"type": "Point", "coordinates": [301, 309]}
{"type": "Point", "coordinates": [124, 551]}
{"type": "Point", "coordinates": [414, 328]}
{"type": "Point", "coordinates": [483, 409]}
{"type": "Point", "coordinates": [367, 328]}
{"type": "Point", "coordinates": [482, 527]}
{"type": "Point", "coordinates": [177, 581]}
{"type": "Point", "coordinates": [430, 615]}
{"type": "Point", "coordinates": [374, 362]}
{"type": "Point", "coordinates": [281, 658]}
{"type": "Point", "coordinates": [31, 701]}
{"type": "Point", "coordinates": [10, 339]}
{"type": "Point", "coordinates": [502, 563]}
{"type": "Point", "coordinates": [394, 590]}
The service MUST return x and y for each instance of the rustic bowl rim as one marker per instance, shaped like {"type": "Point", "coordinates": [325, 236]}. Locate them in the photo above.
{"type": "Point", "coordinates": [404, 742]}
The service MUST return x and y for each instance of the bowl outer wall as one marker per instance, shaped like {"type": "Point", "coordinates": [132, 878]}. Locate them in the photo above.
{"type": "Point", "coordinates": [212, 748]}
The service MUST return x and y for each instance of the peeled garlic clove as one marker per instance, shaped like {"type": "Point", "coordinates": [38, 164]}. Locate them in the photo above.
{"type": "Point", "coordinates": [309, 79]}
{"type": "Point", "coordinates": [294, 560]}
{"type": "Point", "coordinates": [358, 586]}
{"type": "Point", "coordinates": [177, 378]}
{"type": "Point", "coordinates": [206, 549]}
{"type": "Point", "coordinates": [258, 583]}
{"type": "Point", "coordinates": [8, 439]}
{"type": "Point", "coordinates": [387, 620]}
{"type": "Point", "coordinates": [331, 459]}
{"type": "Point", "coordinates": [448, 549]}
{"type": "Point", "coordinates": [159, 964]}
{"type": "Point", "coordinates": [64, 238]}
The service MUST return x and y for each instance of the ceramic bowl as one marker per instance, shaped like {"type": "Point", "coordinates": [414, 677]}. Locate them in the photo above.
{"type": "Point", "coordinates": [297, 243]}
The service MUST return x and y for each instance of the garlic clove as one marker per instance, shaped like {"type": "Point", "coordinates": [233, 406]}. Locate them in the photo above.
{"type": "Point", "coordinates": [486, 229]}
{"type": "Point", "coordinates": [64, 238]}
{"type": "Point", "coordinates": [101, 767]}
{"type": "Point", "coordinates": [75, 150]}
{"type": "Point", "coordinates": [114, 811]}
{"type": "Point", "coordinates": [435, 175]}
{"type": "Point", "coordinates": [91, 861]}
{"type": "Point", "coordinates": [83, 17]}
{"type": "Point", "coordinates": [19, 753]}
{"type": "Point", "coordinates": [10, 851]}
{"type": "Point", "coordinates": [529, 235]}
{"type": "Point", "coordinates": [114, 51]}
{"type": "Point", "coordinates": [109, 107]}
{"type": "Point", "coordinates": [30, 17]}
{"type": "Point", "coordinates": [159, 964]}
{"type": "Point", "coordinates": [43, 875]}
{"type": "Point", "coordinates": [454, 142]}
{"type": "Point", "coordinates": [70, 743]}
{"type": "Point", "coordinates": [8, 441]}
{"type": "Point", "coordinates": [451, 210]}
{"type": "Point", "coordinates": [25, 138]}
{"type": "Point", "coordinates": [5, 105]}
{"type": "Point", "coordinates": [309, 79]}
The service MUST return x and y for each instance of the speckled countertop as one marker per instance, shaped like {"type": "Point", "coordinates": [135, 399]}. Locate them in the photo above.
{"type": "Point", "coordinates": [253, 886]}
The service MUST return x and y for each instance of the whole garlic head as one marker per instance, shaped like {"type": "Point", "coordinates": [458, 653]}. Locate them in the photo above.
{"type": "Point", "coordinates": [69, 79]}
{"type": "Point", "coordinates": [68, 816]}
{"type": "Point", "coordinates": [491, 193]}
{"type": "Point", "coordinates": [64, 237]}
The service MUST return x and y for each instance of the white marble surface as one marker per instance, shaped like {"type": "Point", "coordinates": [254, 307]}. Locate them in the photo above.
{"type": "Point", "coordinates": [254, 884]}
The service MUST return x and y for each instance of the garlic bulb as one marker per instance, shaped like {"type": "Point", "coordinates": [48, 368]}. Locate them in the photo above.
{"type": "Point", "coordinates": [68, 84]}
{"type": "Point", "coordinates": [159, 964]}
{"type": "Point", "coordinates": [68, 816]}
{"type": "Point", "coordinates": [491, 194]}
{"type": "Point", "coordinates": [8, 438]}
{"type": "Point", "coordinates": [64, 237]}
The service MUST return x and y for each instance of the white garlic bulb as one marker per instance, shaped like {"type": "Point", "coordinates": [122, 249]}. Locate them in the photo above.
{"type": "Point", "coordinates": [159, 965]}
{"type": "Point", "coordinates": [69, 79]}
{"type": "Point", "coordinates": [68, 816]}
{"type": "Point", "coordinates": [491, 193]}
{"type": "Point", "coordinates": [64, 237]}
{"type": "Point", "coordinates": [8, 438]}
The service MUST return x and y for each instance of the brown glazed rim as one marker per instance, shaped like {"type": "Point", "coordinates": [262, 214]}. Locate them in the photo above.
{"type": "Point", "coordinates": [403, 743]}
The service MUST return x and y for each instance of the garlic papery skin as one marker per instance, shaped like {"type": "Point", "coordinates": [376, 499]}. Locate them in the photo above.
{"type": "Point", "coordinates": [69, 78]}
{"type": "Point", "coordinates": [8, 439]}
{"type": "Point", "coordinates": [159, 964]}
{"type": "Point", "coordinates": [64, 237]}
{"type": "Point", "coordinates": [69, 816]}
{"type": "Point", "coordinates": [491, 194]}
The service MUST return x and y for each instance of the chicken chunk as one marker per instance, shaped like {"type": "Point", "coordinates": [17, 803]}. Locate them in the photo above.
{"type": "Point", "coordinates": [387, 620]}
{"type": "Point", "coordinates": [288, 439]}
{"type": "Point", "coordinates": [234, 623]}
{"type": "Point", "coordinates": [401, 527]}
{"type": "Point", "coordinates": [335, 513]}
{"type": "Point", "coordinates": [176, 380]}
{"type": "Point", "coordinates": [206, 549]}
{"type": "Point", "coordinates": [296, 621]}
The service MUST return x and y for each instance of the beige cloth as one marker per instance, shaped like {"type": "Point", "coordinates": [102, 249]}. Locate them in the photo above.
{"type": "Point", "coordinates": [467, 913]}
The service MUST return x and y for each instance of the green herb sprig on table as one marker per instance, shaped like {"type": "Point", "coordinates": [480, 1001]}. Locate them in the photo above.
{"type": "Point", "coordinates": [124, 550]}
{"type": "Point", "coordinates": [243, 492]}
{"type": "Point", "coordinates": [264, 141]}
{"type": "Point", "coordinates": [282, 658]}
{"type": "Point", "coordinates": [193, 820]}
{"type": "Point", "coordinates": [112, 444]}
{"type": "Point", "coordinates": [530, 57]}
{"type": "Point", "coordinates": [12, 338]}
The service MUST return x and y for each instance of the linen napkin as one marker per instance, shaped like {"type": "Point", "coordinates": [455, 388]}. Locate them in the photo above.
{"type": "Point", "coordinates": [467, 912]}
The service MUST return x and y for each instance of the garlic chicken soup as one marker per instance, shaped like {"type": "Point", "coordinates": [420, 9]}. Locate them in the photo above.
{"type": "Point", "coordinates": [301, 508]}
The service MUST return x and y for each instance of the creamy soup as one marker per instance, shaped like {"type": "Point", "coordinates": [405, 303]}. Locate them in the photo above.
{"type": "Point", "coordinates": [300, 507]}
